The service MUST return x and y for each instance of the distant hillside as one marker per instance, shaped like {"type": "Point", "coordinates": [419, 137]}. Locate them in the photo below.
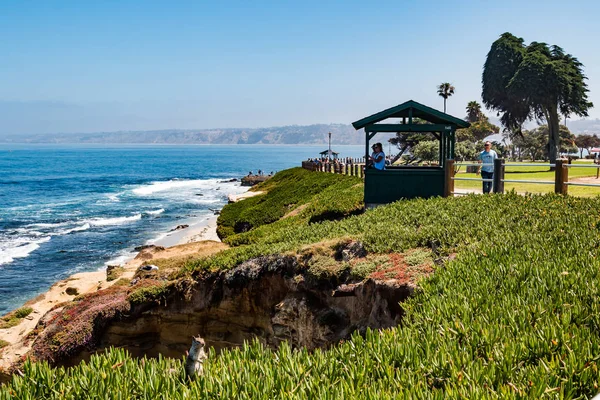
{"type": "Point", "coordinates": [584, 126]}
{"type": "Point", "coordinates": [294, 134]}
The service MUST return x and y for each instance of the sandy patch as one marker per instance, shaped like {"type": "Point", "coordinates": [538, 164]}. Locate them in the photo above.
{"type": "Point", "coordinates": [234, 198]}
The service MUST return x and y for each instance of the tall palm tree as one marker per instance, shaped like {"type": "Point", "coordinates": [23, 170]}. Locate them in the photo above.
{"type": "Point", "coordinates": [445, 90]}
{"type": "Point", "coordinates": [473, 111]}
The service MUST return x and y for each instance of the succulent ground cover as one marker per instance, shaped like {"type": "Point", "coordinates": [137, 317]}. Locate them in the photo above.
{"type": "Point", "coordinates": [15, 317]}
{"type": "Point", "coordinates": [515, 313]}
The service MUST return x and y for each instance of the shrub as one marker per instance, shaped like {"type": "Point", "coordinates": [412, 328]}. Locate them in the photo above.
{"type": "Point", "coordinates": [23, 312]}
{"type": "Point", "coordinates": [14, 318]}
{"type": "Point", "coordinates": [514, 315]}
{"type": "Point", "coordinates": [286, 190]}
{"type": "Point", "coordinates": [156, 292]}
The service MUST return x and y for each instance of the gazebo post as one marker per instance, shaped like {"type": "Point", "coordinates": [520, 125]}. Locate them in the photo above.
{"type": "Point", "coordinates": [366, 146]}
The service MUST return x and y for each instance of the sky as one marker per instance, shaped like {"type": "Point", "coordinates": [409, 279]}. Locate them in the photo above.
{"type": "Point", "coordinates": [97, 66]}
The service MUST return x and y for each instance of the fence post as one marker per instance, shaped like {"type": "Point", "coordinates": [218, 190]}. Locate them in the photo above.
{"type": "Point", "coordinates": [561, 174]}
{"type": "Point", "coordinates": [498, 184]}
{"type": "Point", "coordinates": [448, 179]}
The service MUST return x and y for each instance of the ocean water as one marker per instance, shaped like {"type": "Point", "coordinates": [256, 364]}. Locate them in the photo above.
{"type": "Point", "coordinates": [68, 209]}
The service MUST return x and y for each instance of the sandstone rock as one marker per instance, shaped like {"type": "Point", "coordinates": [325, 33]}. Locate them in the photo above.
{"type": "Point", "coordinates": [351, 250]}
{"type": "Point", "coordinates": [149, 246]}
{"type": "Point", "coordinates": [265, 298]}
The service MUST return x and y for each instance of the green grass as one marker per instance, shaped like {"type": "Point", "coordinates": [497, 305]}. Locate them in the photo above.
{"type": "Point", "coordinates": [514, 315]}
{"type": "Point", "coordinates": [3, 343]}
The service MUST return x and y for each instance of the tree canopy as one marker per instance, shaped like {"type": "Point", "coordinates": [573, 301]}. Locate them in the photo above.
{"type": "Point", "coordinates": [586, 142]}
{"type": "Point", "coordinates": [537, 81]}
{"type": "Point", "coordinates": [474, 113]}
{"type": "Point", "coordinates": [445, 90]}
{"type": "Point", "coordinates": [533, 144]}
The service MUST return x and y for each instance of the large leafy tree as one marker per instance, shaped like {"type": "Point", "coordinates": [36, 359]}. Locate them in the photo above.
{"type": "Point", "coordinates": [445, 90]}
{"type": "Point", "coordinates": [536, 81]}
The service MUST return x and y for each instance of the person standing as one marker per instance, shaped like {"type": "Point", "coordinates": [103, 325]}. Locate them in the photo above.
{"type": "Point", "coordinates": [487, 157]}
{"type": "Point", "coordinates": [378, 157]}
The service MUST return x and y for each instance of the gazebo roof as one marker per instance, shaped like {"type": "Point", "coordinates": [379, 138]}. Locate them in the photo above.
{"type": "Point", "coordinates": [414, 109]}
{"type": "Point", "coordinates": [327, 151]}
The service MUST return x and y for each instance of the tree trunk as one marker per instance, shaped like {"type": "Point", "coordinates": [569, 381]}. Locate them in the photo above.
{"type": "Point", "coordinates": [402, 150]}
{"type": "Point", "coordinates": [553, 134]}
{"type": "Point", "coordinates": [444, 105]}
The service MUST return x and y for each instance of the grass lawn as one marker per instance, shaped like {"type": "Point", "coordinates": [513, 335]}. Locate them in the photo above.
{"type": "Point", "coordinates": [537, 174]}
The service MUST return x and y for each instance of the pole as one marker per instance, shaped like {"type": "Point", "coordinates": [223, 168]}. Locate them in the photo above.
{"type": "Point", "coordinates": [448, 181]}
{"type": "Point", "coordinates": [498, 184]}
{"type": "Point", "coordinates": [329, 152]}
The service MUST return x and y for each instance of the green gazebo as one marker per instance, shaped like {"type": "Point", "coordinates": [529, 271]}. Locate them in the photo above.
{"type": "Point", "coordinates": [405, 182]}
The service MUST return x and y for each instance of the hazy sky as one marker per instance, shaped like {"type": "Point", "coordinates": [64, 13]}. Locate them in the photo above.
{"type": "Point", "coordinates": [89, 66]}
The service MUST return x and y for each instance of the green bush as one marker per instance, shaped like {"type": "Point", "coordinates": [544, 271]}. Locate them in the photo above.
{"type": "Point", "coordinates": [514, 315]}
{"type": "Point", "coordinates": [286, 190]}
{"type": "Point", "coordinates": [23, 312]}
{"type": "Point", "coordinates": [14, 318]}
{"type": "Point", "coordinates": [154, 293]}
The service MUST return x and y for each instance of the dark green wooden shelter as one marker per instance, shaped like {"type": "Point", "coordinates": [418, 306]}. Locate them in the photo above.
{"type": "Point", "coordinates": [405, 182]}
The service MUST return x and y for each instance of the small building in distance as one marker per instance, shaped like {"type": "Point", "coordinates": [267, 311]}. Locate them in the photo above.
{"type": "Point", "coordinates": [325, 154]}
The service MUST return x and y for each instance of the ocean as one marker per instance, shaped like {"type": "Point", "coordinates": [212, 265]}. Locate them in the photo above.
{"type": "Point", "coordinates": [75, 208]}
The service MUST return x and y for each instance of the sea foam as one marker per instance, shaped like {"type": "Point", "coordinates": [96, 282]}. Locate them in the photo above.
{"type": "Point", "coordinates": [162, 186]}
{"type": "Point", "coordinates": [113, 221]}
{"type": "Point", "coordinates": [19, 248]}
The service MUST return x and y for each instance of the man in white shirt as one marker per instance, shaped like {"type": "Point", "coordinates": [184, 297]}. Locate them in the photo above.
{"type": "Point", "coordinates": [487, 156]}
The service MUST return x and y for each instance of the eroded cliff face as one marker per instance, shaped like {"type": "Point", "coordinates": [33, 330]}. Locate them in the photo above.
{"type": "Point", "coordinates": [270, 298]}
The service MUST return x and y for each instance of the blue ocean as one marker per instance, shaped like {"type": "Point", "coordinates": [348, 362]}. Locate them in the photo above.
{"type": "Point", "coordinates": [74, 208]}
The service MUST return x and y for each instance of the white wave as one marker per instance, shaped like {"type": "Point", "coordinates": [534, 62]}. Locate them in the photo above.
{"type": "Point", "coordinates": [114, 197]}
{"type": "Point", "coordinates": [20, 249]}
{"type": "Point", "coordinates": [83, 227]}
{"type": "Point", "coordinates": [158, 238]}
{"type": "Point", "coordinates": [49, 225]}
{"type": "Point", "coordinates": [162, 186]}
{"type": "Point", "coordinates": [121, 259]}
{"type": "Point", "coordinates": [156, 212]}
{"type": "Point", "coordinates": [113, 221]}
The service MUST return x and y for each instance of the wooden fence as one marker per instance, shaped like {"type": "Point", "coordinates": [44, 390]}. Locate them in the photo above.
{"type": "Point", "coordinates": [560, 182]}
{"type": "Point", "coordinates": [352, 168]}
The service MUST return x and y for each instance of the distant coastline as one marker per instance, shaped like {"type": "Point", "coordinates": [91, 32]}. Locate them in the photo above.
{"type": "Point", "coordinates": [292, 135]}
{"type": "Point", "coordinates": [316, 134]}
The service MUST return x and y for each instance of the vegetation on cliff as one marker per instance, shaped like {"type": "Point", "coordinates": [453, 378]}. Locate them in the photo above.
{"type": "Point", "coordinates": [513, 315]}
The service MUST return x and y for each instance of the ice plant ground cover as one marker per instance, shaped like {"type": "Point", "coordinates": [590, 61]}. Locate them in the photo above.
{"type": "Point", "coordinates": [515, 314]}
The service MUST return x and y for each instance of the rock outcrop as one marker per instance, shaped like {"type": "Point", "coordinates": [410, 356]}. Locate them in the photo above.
{"type": "Point", "coordinates": [271, 298]}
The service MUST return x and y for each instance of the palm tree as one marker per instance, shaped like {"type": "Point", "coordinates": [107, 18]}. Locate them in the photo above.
{"type": "Point", "coordinates": [445, 90]}
{"type": "Point", "coordinates": [473, 111]}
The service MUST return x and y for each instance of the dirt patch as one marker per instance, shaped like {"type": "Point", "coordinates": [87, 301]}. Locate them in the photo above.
{"type": "Point", "coordinates": [295, 211]}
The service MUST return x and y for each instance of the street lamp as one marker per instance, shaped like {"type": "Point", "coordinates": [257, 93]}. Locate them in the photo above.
{"type": "Point", "coordinates": [329, 152]}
